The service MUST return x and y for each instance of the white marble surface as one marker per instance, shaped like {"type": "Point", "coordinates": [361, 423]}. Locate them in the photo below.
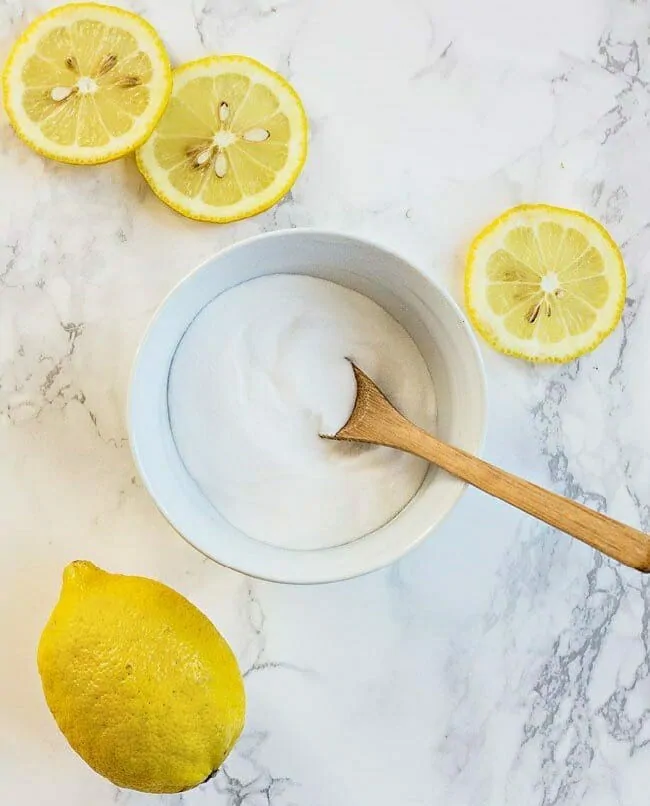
{"type": "Point", "coordinates": [499, 664]}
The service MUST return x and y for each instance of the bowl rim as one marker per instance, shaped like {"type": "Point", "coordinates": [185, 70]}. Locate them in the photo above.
{"type": "Point", "coordinates": [400, 550]}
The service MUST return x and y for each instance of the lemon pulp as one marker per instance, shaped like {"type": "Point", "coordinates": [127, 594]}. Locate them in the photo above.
{"type": "Point", "coordinates": [231, 142]}
{"type": "Point", "coordinates": [544, 283]}
{"type": "Point", "coordinates": [86, 83]}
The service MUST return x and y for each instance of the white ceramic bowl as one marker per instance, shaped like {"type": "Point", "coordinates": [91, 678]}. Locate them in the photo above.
{"type": "Point", "coordinates": [430, 316]}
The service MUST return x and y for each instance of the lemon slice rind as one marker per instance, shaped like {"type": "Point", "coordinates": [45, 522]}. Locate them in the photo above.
{"type": "Point", "coordinates": [249, 205]}
{"type": "Point", "coordinates": [492, 326]}
{"type": "Point", "coordinates": [25, 47]}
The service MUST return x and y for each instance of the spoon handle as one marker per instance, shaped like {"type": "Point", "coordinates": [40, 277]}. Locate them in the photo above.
{"type": "Point", "coordinates": [625, 544]}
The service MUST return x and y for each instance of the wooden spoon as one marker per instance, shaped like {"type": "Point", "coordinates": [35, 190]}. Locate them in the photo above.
{"type": "Point", "coordinates": [374, 420]}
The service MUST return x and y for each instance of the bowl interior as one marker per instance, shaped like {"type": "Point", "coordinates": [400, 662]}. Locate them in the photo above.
{"type": "Point", "coordinates": [428, 314]}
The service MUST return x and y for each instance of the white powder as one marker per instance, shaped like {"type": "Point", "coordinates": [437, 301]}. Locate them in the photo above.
{"type": "Point", "coordinates": [260, 373]}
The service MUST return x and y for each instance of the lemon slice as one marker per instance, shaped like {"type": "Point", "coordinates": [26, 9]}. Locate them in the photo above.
{"type": "Point", "coordinates": [544, 283]}
{"type": "Point", "coordinates": [231, 142]}
{"type": "Point", "coordinates": [86, 83]}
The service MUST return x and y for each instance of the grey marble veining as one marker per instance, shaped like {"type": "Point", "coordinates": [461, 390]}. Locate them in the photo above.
{"type": "Point", "coordinates": [498, 664]}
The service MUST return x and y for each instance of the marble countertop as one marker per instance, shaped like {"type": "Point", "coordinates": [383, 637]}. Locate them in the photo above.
{"type": "Point", "coordinates": [500, 663]}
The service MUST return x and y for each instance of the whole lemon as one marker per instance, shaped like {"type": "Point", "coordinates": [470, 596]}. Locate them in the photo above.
{"type": "Point", "coordinates": [139, 681]}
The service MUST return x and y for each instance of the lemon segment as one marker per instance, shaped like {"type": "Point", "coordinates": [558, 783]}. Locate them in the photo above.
{"type": "Point", "coordinates": [231, 143]}
{"type": "Point", "coordinates": [86, 83]}
{"type": "Point", "coordinates": [139, 681]}
{"type": "Point", "coordinates": [544, 283]}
